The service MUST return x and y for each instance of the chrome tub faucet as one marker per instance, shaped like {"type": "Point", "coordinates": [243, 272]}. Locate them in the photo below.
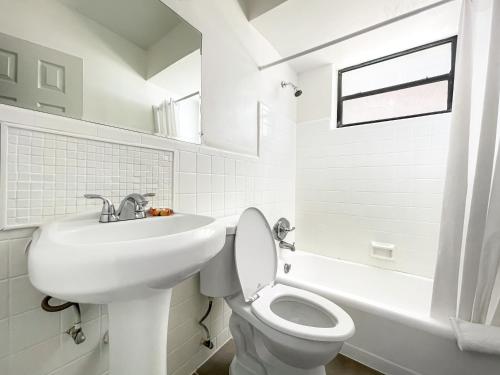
{"type": "Point", "coordinates": [287, 246]}
{"type": "Point", "coordinates": [280, 231]}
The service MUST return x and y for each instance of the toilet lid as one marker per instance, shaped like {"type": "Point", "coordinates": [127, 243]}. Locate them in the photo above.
{"type": "Point", "coordinates": [254, 252]}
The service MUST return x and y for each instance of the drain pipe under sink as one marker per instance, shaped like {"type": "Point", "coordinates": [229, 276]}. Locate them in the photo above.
{"type": "Point", "coordinates": [74, 331]}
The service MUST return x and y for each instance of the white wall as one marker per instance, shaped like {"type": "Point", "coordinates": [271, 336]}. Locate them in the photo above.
{"type": "Point", "coordinates": [318, 86]}
{"type": "Point", "coordinates": [210, 181]}
{"type": "Point", "coordinates": [224, 28]}
{"type": "Point", "coordinates": [232, 49]}
{"type": "Point", "coordinates": [376, 182]}
{"type": "Point", "coordinates": [183, 77]}
{"type": "Point", "coordinates": [114, 68]}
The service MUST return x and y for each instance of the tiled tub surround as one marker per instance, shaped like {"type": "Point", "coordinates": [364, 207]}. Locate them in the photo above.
{"type": "Point", "coordinates": [206, 181]}
{"type": "Point", "coordinates": [377, 182]}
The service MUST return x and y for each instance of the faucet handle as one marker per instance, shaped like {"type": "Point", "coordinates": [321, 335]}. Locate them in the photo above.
{"type": "Point", "coordinates": [145, 202]}
{"type": "Point", "coordinates": [108, 210]}
{"type": "Point", "coordinates": [281, 229]}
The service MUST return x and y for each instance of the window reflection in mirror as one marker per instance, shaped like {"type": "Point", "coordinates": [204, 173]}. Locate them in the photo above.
{"type": "Point", "coordinates": [124, 63]}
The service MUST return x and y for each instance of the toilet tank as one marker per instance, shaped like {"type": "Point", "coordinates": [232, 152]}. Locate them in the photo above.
{"type": "Point", "coordinates": [219, 278]}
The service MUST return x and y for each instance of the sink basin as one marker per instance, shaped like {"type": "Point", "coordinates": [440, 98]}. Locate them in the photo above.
{"type": "Point", "coordinates": [129, 265]}
{"type": "Point", "coordinates": [81, 260]}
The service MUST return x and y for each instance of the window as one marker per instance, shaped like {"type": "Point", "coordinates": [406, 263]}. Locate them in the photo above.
{"type": "Point", "coordinates": [411, 83]}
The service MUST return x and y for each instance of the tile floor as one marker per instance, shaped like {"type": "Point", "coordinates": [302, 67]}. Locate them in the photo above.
{"type": "Point", "coordinates": [219, 364]}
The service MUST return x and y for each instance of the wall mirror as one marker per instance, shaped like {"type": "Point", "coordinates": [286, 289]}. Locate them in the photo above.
{"type": "Point", "coordinates": [123, 63]}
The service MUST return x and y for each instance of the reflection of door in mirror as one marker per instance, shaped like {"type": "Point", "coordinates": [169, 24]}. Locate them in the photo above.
{"type": "Point", "coordinates": [138, 68]}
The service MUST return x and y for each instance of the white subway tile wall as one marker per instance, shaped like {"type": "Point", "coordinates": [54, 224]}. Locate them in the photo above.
{"type": "Point", "coordinates": [48, 174]}
{"type": "Point", "coordinates": [377, 182]}
{"type": "Point", "coordinates": [33, 342]}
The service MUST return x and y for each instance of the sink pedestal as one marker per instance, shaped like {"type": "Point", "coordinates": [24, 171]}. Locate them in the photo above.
{"type": "Point", "coordinates": [138, 335]}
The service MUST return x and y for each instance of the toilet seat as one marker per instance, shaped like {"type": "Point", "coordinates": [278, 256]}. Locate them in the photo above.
{"type": "Point", "coordinates": [256, 265]}
{"type": "Point", "coordinates": [342, 326]}
{"type": "Point", "coordinates": [255, 253]}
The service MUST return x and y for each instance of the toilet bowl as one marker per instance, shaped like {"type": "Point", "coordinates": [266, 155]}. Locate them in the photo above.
{"type": "Point", "coordinates": [277, 329]}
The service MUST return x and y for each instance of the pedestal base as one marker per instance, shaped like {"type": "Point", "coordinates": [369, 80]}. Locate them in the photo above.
{"type": "Point", "coordinates": [138, 335]}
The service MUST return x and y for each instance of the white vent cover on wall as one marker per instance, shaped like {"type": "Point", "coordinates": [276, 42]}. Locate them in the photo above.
{"type": "Point", "coordinates": [45, 174]}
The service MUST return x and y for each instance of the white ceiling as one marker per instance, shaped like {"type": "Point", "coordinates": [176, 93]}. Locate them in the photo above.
{"type": "Point", "coordinates": [293, 26]}
{"type": "Point", "coordinates": [142, 22]}
{"type": "Point", "coordinates": [254, 8]}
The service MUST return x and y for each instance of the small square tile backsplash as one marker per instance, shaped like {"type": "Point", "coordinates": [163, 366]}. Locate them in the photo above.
{"type": "Point", "coordinates": [47, 174]}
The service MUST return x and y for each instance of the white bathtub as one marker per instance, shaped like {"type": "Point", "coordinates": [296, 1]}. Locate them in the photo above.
{"type": "Point", "coordinates": [394, 332]}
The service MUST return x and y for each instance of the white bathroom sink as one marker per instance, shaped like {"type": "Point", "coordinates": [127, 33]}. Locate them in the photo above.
{"type": "Point", "coordinates": [129, 265]}
{"type": "Point", "coordinates": [81, 260]}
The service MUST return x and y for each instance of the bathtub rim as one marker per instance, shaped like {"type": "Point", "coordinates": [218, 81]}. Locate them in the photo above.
{"type": "Point", "coordinates": [416, 320]}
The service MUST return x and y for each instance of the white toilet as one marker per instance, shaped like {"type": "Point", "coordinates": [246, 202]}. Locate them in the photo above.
{"type": "Point", "coordinates": [277, 329]}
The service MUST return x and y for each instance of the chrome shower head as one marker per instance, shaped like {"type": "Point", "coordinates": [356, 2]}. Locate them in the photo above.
{"type": "Point", "coordinates": [296, 91]}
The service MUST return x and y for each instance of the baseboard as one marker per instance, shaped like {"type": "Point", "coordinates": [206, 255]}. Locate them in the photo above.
{"type": "Point", "coordinates": [375, 362]}
{"type": "Point", "coordinates": [211, 354]}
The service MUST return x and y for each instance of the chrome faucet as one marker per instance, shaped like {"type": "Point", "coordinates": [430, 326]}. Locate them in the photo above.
{"type": "Point", "coordinates": [286, 245]}
{"type": "Point", "coordinates": [132, 207]}
{"type": "Point", "coordinates": [280, 231]}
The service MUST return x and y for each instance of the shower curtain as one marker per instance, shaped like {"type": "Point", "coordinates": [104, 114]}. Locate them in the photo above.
{"type": "Point", "coordinates": [466, 278]}
{"type": "Point", "coordinates": [166, 117]}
